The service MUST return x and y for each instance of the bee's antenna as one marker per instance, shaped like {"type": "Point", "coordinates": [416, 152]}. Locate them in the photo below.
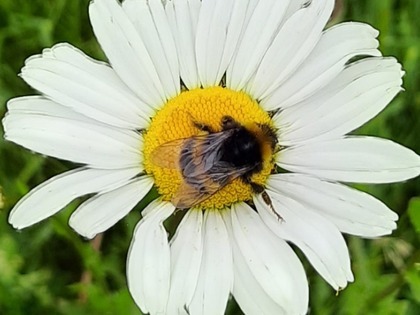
{"type": "Point", "coordinates": [199, 125]}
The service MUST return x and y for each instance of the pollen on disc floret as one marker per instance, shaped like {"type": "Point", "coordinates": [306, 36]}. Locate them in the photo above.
{"type": "Point", "coordinates": [176, 121]}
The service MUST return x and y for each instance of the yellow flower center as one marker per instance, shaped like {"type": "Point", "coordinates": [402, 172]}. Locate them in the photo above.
{"type": "Point", "coordinates": [176, 120]}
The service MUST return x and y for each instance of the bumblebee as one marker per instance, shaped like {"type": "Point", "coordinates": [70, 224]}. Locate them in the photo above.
{"type": "Point", "coordinates": [209, 162]}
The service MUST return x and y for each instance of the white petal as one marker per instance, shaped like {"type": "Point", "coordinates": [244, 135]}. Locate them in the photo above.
{"type": "Point", "coordinates": [352, 211]}
{"type": "Point", "coordinates": [92, 88]}
{"type": "Point", "coordinates": [335, 48]}
{"type": "Point", "coordinates": [54, 194]}
{"type": "Point", "coordinates": [295, 6]}
{"type": "Point", "coordinates": [183, 19]}
{"type": "Point", "coordinates": [353, 159]}
{"type": "Point", "coordinates": [252, 4]}
{"type": "Point", "coordinates": [149, 19]}
{"type": "Point", "coordinates": [186, 255]}
{"type": "Point", "coordinates": [255, 40]}
{"type": "Point", "coordinates": [291, 46]}
{"type": "Point", "coordinates": [148, 262]}
{"type": "Point", "coordinates": [249, 295]}
{"type": "Point", "coordinates": [320, 240]}
{"type": "Point", "coordinates": [272, 263]}
{"type": "Point", "coordinates": [102, 211]}
{"type": "Point", "coordinates": [39, 105]}
{"type": "Point", "coordinates": [357, 95]}
{"type": "Point", "coordinates": [219, 27]}
{"type": "Point", "coordinates": [81, 141]}
{"type": "Point", "coordinates": [216, 273]}
{"type": "Point", "coordinates": [126, 50]}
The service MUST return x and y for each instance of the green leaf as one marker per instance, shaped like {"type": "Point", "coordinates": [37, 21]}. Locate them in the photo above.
{"type": "Point", "coordinates": [412, 277]}
{"type": "Point", "coordinates": [414, 213]}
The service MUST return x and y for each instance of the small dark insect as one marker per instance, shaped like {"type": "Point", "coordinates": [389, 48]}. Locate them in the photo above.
{"type": "Point", "coordinates": [209, 162]}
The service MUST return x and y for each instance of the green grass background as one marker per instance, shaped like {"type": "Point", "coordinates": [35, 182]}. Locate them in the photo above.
{"type": "Point", "coordinates": [41, 268]}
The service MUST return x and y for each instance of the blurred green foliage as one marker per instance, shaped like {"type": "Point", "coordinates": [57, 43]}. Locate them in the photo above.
{"type": "Point", "coordinates": [49, 269]}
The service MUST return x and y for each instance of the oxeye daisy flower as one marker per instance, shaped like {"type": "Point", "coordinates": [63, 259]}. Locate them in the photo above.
{"type": "Point", "coordinates": [237, 112]}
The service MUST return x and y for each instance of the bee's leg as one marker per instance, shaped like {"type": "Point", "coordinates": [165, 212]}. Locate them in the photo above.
{"type": "Point", "coordinates": [269, 203]}
{"type": "Point", "coordinates": [256, 188]}
{"type": "Point", "coordinates": [259, 189]}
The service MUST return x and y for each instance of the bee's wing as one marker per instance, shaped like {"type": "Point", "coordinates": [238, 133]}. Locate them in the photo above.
{"type": "Point", "coordinates": [196, 189]}
{"type": "Point", "coordinates": [186, 154]}
{"type": "Point", "coordinates": [167, 155]}
{"type": "Point", "coordinates": [200, 155]}
{"type": "Point", "coordinates": [189, 195]}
